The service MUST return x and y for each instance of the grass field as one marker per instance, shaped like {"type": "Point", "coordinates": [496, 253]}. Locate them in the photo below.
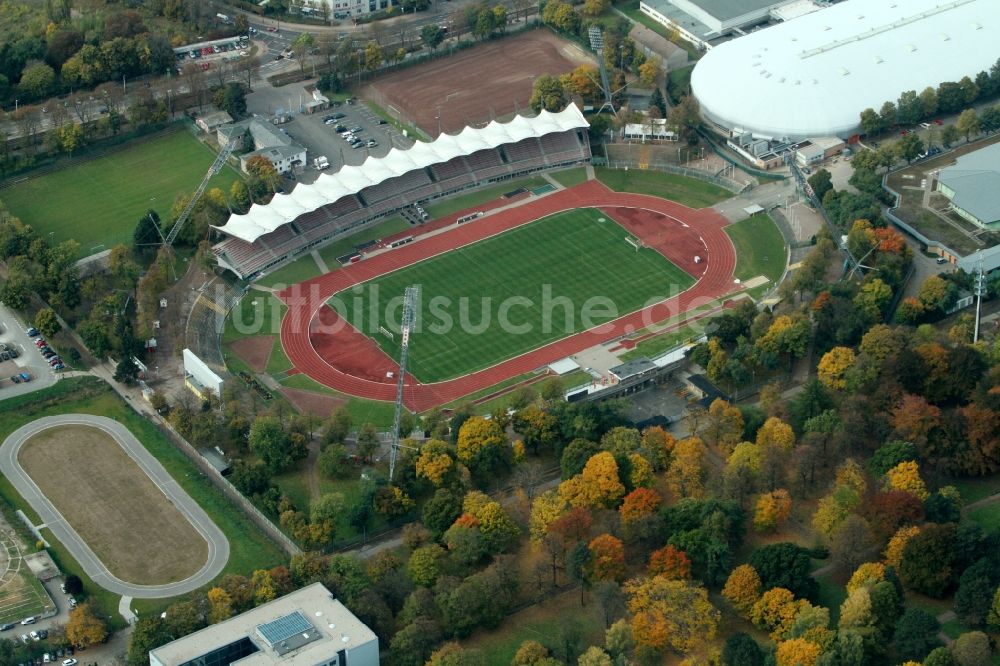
{"type": "Point", "coordinates": [300, 270]}
{"type": "Point", "coordinates": [115, 508]}
{"type": "Point", "coordinates": [98, 202]}
{"type": "Point", "coordinates": [467, 293]}
{"type": "Point", "coordinates": [375, 412]}
{"type": "Point", "coordinates": [760, 250]}
{"type": "Point", "coordinates": [481, 196]}
{"type": "Point", "coordinates": [690, 192]}
{"type": "Point", "coordinates": [249, 548]}
{"type": "Point", "coordinates": [570, 177]}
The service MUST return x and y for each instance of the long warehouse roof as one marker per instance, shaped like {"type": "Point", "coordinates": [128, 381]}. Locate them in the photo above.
{"type": "Point", "coordinates": [283, 208]}
{"type": "Point", "coordinates": [813, 75]}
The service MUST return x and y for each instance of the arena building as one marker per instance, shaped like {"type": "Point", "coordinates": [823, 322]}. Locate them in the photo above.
{"type": "Point", "coordinates": [355, 196]}
{"type": "Point", "coordinates": [813, 75]}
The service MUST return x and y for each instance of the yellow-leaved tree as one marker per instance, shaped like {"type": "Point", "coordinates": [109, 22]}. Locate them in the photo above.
{"type": "Point", "coordinates": [482, 445]}
{"type": "Point", "coordinates": [685, 476]}
{"type": "Point", "coordinates": [833, 367]}
{"type": "Point", "coordinates": [777, 433]}
{"type": "Point", "coordinates": [598, 486]}
{"type": "Point", "coordinates": [544, 510]}
{"type": "Point", "coordinates": [866, 575]}
{"type": "Point", "coordinates": [742, 589]}
{"type": "Point", "coordinates": [797, 652]}
{"type": "Point", "coordinates": [772, 510]}
{"type": "Point", "coordinates": [906, 477]}
{"type": "Point", "coordinates": [894, 549]}
{"type": "Point", "coordinates": [670, 614]}
{"type": "Point", "coordinates": [434, 462]}
{"type": "Point", "coordinates": [220, 606]}
{"type": "Point", "coordinates": [85, 628]}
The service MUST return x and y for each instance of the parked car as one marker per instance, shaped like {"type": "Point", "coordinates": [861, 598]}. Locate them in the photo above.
{"type": "Point", "coordinates": [6, 627]}
{"type": "Point", "coordinates": [25, 638]}
{"type": "Point", "coordinates": [25, 377]}
{"type": "Point", "coordinates": [271, 28]}
{"type": "Point", "coordinates": [40, 342]}
{"type": "Point", "coordinates": [372, 143]}
{"type": "Point", "coordinates": [338, 115]}
{"type": "Point", "coordinates": [32, 332]}
{"type": "Point", "coordinates": [357, 128]}
{"type": "Point", "coordinates": [31, 619]}
{"type": "Point", "coordinates": [382, 121]}
{"type": "Point", "coordinates": [15, 379]}
{"type": "Point", "coordinates": [69, 662]}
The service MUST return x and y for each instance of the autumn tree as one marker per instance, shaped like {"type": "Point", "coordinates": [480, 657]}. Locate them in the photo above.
{"type": "Point", "coordinates": [971, 649]}
{"type": "Point", "coordinates": [669, 562]}
{"type": "Point", "coordinates": [670, 614]}
{"type": "Point", "coordinates": [775, 611]}
{"type": "Point", "coordinates": [724, 425]}
{"type": "Point", "coordinates": [85, 628]}
{"type": "Point", "coordinates": [928, 560]}
{"type": "Point", "coordinates": [597, 486]}
{"type": "Point", "coordinates": [220, 606]}
{"type": "Point", "coordinates": [482, 446]}
{"type": "Point", "coordinates": [906, 477]}
{"type": "Point", "coordinates": [423, 565]}
{"type": "Point", "coordinates": [607, 558]}
{"type": "Point", "coordinates": [772, 510]}
{"type": "Point", "coordinates": [833, 367]}
{"type": "Point", "coordinates": [866, 575]}
{"type": "Point", "coordinates": [797, 652]}
{"type": "Point", "coordinates": [685, 476]}
{"type": "Point", "coordinates": [776, 433]}
{"type": "Point", "coordinates": [742, 589]}
{"type": "Point", "coordinates": [435, 462]}
{"type": "Point", "coordinates": [639, 504]}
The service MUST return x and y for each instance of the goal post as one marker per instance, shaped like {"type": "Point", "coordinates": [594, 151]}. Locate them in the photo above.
{"type": "Point", "coordinates": [387, 333]}
{"type": "Point", "coordinates": [634, 242]}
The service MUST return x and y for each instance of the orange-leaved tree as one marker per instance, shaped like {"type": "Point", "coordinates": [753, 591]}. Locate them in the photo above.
{"type": "Point", "coordinates": [670, 614]}
{"type": "Point", "coordinates": [670, 562]}
{"type": "Point", "coordinates": [639, 504]}
{"type": "Point", "coordinates": [742, 588]}
{"type": "Point", "coordinates": [772, 510]}
{"type": "Point", "coordinates": [607, 558]}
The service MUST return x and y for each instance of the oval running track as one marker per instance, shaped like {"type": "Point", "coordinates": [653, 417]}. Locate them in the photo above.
{"type": "Point", "coordinates": [218, 545]}
{"type": "Point", "coordinates": [305, 299]}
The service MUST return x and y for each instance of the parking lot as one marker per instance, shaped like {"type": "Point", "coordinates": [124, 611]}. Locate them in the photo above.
{"type": "Point", "coordinates": [29, 360]}
{"type": "Point", "coordinates": [320, 138]}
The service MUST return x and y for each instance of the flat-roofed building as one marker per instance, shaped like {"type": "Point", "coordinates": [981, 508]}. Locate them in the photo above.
{"type": "Point", "coordinates": [305, 628]}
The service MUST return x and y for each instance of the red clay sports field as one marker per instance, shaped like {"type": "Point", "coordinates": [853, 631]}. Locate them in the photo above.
{"type": "Point", "coordinates": [352, 363]}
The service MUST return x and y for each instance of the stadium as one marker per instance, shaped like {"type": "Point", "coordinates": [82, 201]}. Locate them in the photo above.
{"type": "Point", "coordinates": [813, 75]}
{"type": "Point", "coordinates": [648, 258]}
{"type": "Point", "coordinates": [312, 215]}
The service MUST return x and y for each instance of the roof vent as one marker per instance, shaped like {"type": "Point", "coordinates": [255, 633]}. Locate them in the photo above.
{"type": "Point", "coordinates": [977, 26]}
{"type": "Point", "coordinates": [843, 71]}
{"type": "Point", "coordinates": [877, 59]}
{"type": "Point", "coordinates": [911, 48]}
{"type": "Point", "coordinates": [944, 37]}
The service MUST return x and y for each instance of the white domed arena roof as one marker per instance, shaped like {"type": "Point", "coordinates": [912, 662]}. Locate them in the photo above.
{"type": "Point", "coordinates": [812, 76]}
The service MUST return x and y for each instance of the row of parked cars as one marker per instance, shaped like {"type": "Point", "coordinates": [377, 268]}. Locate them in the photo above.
{"type": "Point", "coordinates": [47, 352]}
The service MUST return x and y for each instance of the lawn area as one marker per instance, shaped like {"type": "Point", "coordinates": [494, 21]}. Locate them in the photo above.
{"type": "Point", "coordinates": [831, 595]}
{"type": "Point", "coordinates": [975, 489]}
{"type": "Point", "coordinates": [300, 270]}
{"type": "Point", "coordinates": [571, 257]}
{"type": "Point", "coordinates": [760, 249]}
{"type": "Point", "coordinates": [986, 516]}
{"type": "Point", "coordinates": [481, 196]}
{"type": "Point", "coordinates": [653, 347]}
{"type": "Point", "coordinates": [631, 10]}
{"type": "Point", "coordinates": [98, 202]}
{"type": "Point", "coordinates": [376, 412]}
{"type": "Point", "coordinates": [257, 313]}
{"type": "Point", "coordinates": [570, 177]}
{"type": "Point", "coordinates": [549, 623]}
{"type": "Point", "coordinates": [249, 548]}
{"type": "Point", "coordinates": [679, 81]}
{"type": "Point", "coordinates": [690, 192]}
{"type": "Point", "coordinates": [347, 244]}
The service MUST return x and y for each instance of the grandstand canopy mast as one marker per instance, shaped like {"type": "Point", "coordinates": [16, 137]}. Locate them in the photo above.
{"type": "Point", "coordinates": [220, 159]}
{"type": "Point", "coordinates": [406, 326]}
{"type": "Point", "coordinates": [597, 44]}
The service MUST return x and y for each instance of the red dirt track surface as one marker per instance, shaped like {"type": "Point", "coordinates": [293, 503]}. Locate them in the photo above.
{"type": "Point", "coordinates": [306, 301]}
{"type": "Point", "coordinates": [455, 84]}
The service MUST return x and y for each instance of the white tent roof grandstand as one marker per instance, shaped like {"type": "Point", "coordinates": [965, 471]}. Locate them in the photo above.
{"type": "Point", "coordinates": [283, 208]}
{"type": "Point", "coordinates": [813, 75]}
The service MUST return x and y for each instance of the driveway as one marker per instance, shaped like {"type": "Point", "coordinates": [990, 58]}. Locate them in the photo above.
{"type": "Point", "coordinates": [218, 545]}
{"type": "Point", "coordinates": [12, 332]}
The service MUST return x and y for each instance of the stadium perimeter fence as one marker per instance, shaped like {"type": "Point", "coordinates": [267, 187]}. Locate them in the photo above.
{"type": "Point", "coordinates": [636, 164]}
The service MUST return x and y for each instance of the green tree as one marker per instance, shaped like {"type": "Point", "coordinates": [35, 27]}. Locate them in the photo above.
{"type": "Point", "coordinates": [785, 565]}
{"type": "Point", "coordinates": [971, 649]}
{"type": "Point", "coordinates": [333, 462]}
{"type": "Point", "coordinates": [373, 56]}
{"type": "Point", "coordinates": [949, 135]}
{"type": "Point", "coordinates": [47, 322]}
{"type": "Point", "coordinates": [148, 633]}
{"type": "Point", "coordinates": [928, 560]}
{"type": "Point", "coordinates": [432, 35]}
{"type": "Point", "coordinates": [871, 123]}
{"type": "Point", "coordinates": [232, 98]}
{"type": "Point", "coordinates": [70, 137]}
{"type": "Point", "coordinates": [967, 123]}
{"type": "Point", "coordinates": [37, 81]}
{"type": "Point", "coordinates": [916, 634]}
{"type": "Point", "coordinates": [821, 183]}
{"type": "Point", "coordinates": [269, 441]}
{"type": "Point", "coordinates": [909, 147]}
{"type": "Point", "coordinates": [742, 650]}
{"type": "Point", "coordinates": [548, 94]}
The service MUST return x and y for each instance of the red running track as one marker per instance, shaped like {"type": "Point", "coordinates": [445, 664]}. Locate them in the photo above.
{"type": "Point", "coordinates": [305, 300]}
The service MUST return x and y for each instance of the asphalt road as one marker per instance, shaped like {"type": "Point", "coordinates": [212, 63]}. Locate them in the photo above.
{"type": "Point", "coordinates": [218, 545]}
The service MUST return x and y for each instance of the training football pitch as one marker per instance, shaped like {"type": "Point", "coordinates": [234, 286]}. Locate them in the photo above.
{"type": "Point", "coordinates": [511, 293]}
{"type": "Point", "coordinates": [98, 202]}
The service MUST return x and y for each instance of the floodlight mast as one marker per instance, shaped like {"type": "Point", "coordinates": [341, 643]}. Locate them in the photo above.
{"type": "Point", "coordinates": [597, 44]}
{"type": "Point", "coordinates": [220, 159]}
{"type": "Point", "coordinates": [406, 327]}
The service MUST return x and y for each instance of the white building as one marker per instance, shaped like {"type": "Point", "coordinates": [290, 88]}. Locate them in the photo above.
{"type": "Point", "coordinates": [268, 141]}
{"type": "Point", "coordinates": [813, 75]}
{"type": "Point", "coordinates": [305, 628]}
{"type": "Point", "coordinates": [700, 21]}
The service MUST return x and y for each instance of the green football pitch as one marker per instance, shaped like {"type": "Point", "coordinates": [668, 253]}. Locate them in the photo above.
{"type": "Point", "coordinates": [98, 202]}
{"type": "Point", "coordinates": [508, 294]}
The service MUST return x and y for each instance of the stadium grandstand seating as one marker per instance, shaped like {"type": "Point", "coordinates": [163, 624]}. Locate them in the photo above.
{"type": "Point", "coordinates": [320, 226]}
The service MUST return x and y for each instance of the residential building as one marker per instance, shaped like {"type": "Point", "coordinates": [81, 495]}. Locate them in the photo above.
{"type": "Point", "coordinates": [268, 141]}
